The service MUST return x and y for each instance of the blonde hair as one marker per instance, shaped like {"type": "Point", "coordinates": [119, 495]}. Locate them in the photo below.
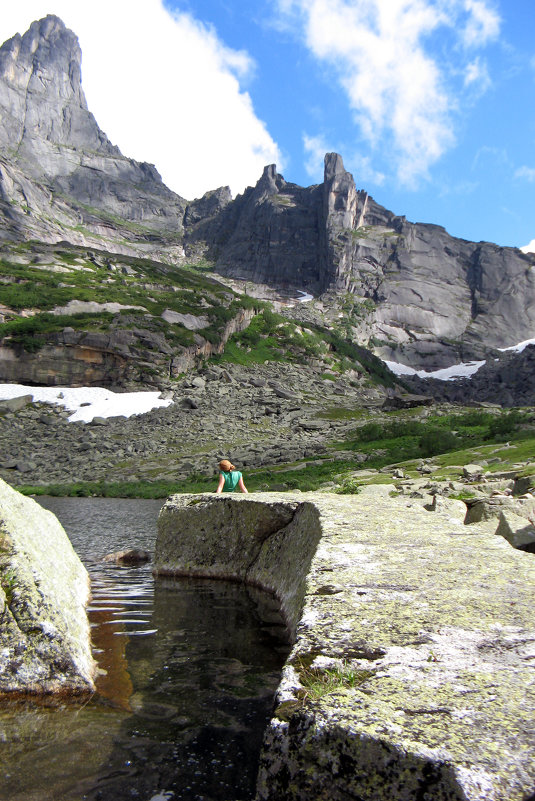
{"type": "Point", "coordinates": [226, 466]}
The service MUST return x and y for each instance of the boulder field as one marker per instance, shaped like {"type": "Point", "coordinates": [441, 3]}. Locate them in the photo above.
{"type": "Point", "coordinates": [411, 673]}
{"type": "Point", "coordinates": [44, 588]}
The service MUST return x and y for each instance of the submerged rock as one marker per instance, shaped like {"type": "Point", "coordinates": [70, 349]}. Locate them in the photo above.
{"type": "Point", "coordinates": [411, 674]}
{"type": "Point", "coordinates": [44, 588]}
{"type": "Point", "coordinates": [132, 556]}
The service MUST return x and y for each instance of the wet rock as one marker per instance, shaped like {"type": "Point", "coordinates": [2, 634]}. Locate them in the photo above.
{"type": "Point", "coordinates": [404, 612]}
{"type": "Point", "coordinates": [132, 556]}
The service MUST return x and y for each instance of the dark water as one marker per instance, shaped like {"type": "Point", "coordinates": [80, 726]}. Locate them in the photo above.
{"type": "Point", "coordinates": [189, 672]}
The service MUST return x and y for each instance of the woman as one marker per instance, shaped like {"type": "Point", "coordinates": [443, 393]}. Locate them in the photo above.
{"type": "Point", "coordinates": [229, 478]}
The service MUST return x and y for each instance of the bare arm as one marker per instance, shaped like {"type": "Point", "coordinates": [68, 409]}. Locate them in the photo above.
{"type": "Point", "coordinates": [242, 486]}
{"type": "Point", "coordinates": [221, 484]}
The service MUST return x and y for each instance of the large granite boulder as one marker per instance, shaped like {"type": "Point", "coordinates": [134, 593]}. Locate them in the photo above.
{"type": "Point", "coordinates": [411, 674]}
{"type": "Point", "coordinates": [44, 637]}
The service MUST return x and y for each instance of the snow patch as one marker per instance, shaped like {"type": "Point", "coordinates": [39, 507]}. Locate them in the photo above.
{"type": "Point", "coordinates": [101, 402]}
{"type": "Point", "coordinates": [462, 370]}
{"type": "Point", "coordinates": [521, 345]}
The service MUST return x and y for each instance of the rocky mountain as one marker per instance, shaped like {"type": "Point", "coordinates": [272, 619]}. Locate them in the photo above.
{"type": "Point", "coordinates": [409, 291]}
{"type": "Point", "coordinates": [60, 176]}
{"type": "Point", "coordinates": [429, 299]}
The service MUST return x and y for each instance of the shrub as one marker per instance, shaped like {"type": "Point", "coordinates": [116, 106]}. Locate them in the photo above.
{"type": "Point", "coordinates": [436, 441]}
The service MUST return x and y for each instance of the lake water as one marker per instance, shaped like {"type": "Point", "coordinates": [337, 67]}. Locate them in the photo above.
{"type": "Point", "coordinates": [189, 670]}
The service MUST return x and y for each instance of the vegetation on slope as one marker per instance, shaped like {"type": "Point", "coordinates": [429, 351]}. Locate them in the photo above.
{"type": "Point", "coordinates": [502, 438]}
{"type": "Point", "coordinates": [34, 285]}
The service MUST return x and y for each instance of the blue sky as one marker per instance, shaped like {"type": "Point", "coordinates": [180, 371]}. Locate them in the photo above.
{"type": "Point", "coordinates": [430, 102]}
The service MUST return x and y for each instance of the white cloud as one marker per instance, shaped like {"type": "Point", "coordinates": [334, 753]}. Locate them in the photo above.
{"type": "Point", "coordinates": [528, 173]}
{"type": "Point", "coordinates": [477, 75]}
{"type": "Point", "coordinates": [164, 88]}
{"type": "Point", "coordinates": [483, 23]}
{"type": "Point", "coordinates": [397, 89]}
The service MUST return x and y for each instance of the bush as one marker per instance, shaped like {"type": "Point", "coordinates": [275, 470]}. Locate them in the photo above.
{"type": "Point", "coordinates": [437, 441]}
{"type": "Point", "coordinates": [371, 432]}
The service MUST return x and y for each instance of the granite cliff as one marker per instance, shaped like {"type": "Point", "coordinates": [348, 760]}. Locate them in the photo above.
{"type": "Point", "coordinates": [60, 176]}
{"type": "Point", "coordinates": [409, 291]}
{"type": "Point", "coordinates": [429, 299]}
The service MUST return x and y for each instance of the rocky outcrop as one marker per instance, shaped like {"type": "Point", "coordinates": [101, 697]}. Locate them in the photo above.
{"type": "Point", "coordinates": [518, 531]}
{"type": "Point", "coordinates": [267, 545]}
{"type": "Point", "coordinates": [410, 675]}
{"type": "Point", "coordinates": [44, 637]}
{"type": "Point", "coordinates": [437, 300]}
{"type": "Point", "coordinates": [270, 234]}
{"type": "Point", "coordinates": [58, 170]}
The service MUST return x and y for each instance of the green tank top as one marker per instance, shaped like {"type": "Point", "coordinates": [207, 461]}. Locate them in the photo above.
{"type": "Point", "coordinates": [231, 480]}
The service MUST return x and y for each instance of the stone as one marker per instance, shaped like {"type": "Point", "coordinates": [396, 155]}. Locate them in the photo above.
{"type": "Point", "coordinates": [15, 404]}
{"type": "Point", "coordinates": [449, 506]}
{"type": "Point", "coordinates": [473, 472]}
{"type": "Point", "coordinates": [44, 588]}
{"type": "Point", "coordinates": [131, 556]}
{"type": "Point", "coordinates": [26, 467]}
{"type": "Point", "coordinates": [518, 531]}
{"type": "Point", "coordinates": [481, 509]}
{"type": "Point", "coordinates": [189, 321]}
{"type": "Point", "coordinates": [427, 624]}
{"type": "Point", "coordinates": [406, 400]}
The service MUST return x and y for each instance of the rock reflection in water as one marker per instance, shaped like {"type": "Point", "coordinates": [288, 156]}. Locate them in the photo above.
{"type": "Point", "coordinates": [203, 694]}
{"type": "Point", "coordinates": [191, 668]}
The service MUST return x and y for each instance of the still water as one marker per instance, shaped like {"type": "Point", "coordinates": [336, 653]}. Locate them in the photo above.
{"type": "Point", "coordinates": [188, 673]}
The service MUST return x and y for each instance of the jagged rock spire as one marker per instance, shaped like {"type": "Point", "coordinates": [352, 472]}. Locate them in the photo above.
{"type": "Point", "coordinates": [41, 99]}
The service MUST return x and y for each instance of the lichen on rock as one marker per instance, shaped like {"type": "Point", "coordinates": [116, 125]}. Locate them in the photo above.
{"type": "Point", "coordinates": [434, 618]}
{"type": "Point", "coordinates": [44, 634]}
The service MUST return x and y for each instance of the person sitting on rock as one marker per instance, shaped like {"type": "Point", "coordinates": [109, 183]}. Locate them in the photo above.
{"type": "Point", "coordinates": [229, 478]}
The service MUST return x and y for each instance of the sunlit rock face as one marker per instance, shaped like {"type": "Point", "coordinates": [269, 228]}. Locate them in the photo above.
{"type": "Point", "coordinates": [438, 300]}
{"type": "Point", "coordinates": [426, 299]}
{"type": "Point", "coordinates": [410, 675]}
{"type": "Point", "coordinates": [44, 637]}
{"type": "Point", "coordinates": [58, 170]}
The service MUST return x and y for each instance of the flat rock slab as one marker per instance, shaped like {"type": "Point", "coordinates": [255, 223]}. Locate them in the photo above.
{"type": "Point", "coordinates": [427, 623]}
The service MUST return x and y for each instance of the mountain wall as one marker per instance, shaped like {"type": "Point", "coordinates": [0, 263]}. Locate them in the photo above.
{"type": "Point", "coordinates": [431, 299]}
{"type": "Point", "coordinates": [409, 290]}
{"type": "Point", "coordinates": [60, 176]}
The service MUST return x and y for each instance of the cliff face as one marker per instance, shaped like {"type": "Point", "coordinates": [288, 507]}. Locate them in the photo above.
{"type": "Point", "coordinates": [421, 296]}
{"type": "Point", "coordinates": [60, 176]}
{"type": "Point", "coordinates": [438, 300]}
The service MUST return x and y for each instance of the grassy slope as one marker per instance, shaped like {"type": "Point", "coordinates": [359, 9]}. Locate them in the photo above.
{"type": "Point", "coordinates": [78, 274]}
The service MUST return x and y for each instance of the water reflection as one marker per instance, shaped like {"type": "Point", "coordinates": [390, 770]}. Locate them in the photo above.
{"type": "Point", "coordinates": [190, 671]}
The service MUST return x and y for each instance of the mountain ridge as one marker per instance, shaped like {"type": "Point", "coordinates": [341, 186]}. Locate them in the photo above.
{"type": "Point", "coordinates": [409, 291]}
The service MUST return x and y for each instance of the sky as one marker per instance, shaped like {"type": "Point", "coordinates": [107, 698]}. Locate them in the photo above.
{"type": "Point", "coordinates": [429, 102]}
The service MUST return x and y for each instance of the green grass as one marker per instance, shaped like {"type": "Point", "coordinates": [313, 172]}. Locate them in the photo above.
{"type": "Point", "coordinates": [152, 286]}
